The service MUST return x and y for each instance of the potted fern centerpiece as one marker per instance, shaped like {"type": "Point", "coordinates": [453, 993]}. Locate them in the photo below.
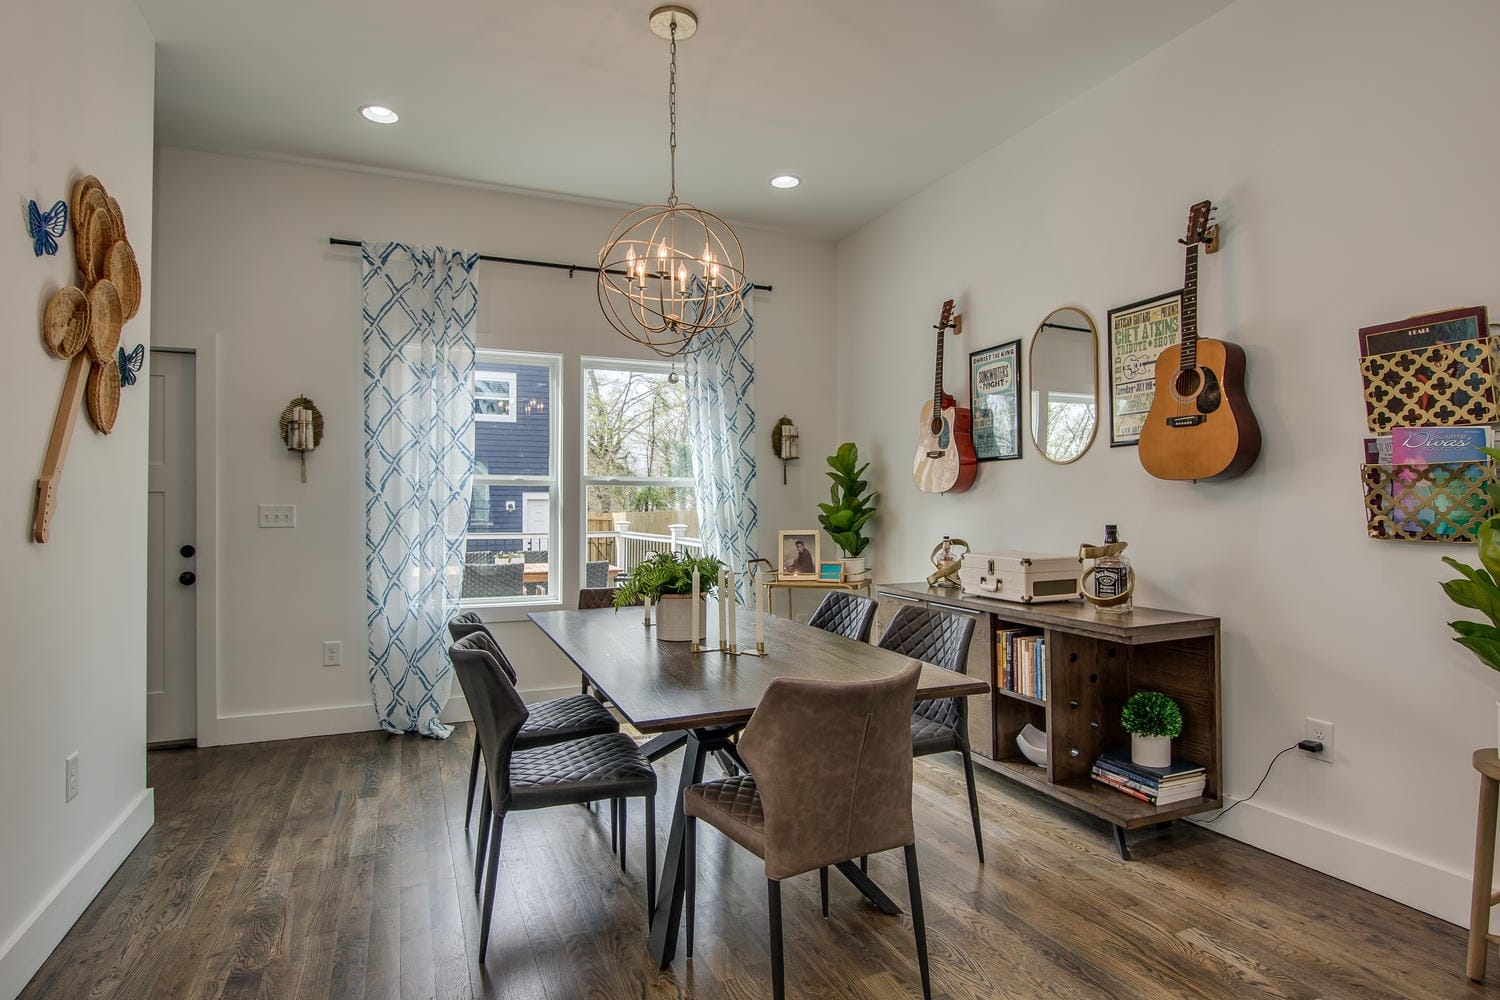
{"type": "Point", "coordinates": [1479, 590]}
{"type": "Point", "coordinates": [1153, 721]}
{"type": "Point", "coordinates": [850, 507]}
{"type": "Point", "coordinates": [666, 580]}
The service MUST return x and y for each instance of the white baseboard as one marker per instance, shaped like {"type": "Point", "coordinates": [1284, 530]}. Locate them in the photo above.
{"type": "Point", "coordinates": [1419, 883]}
{"type": "Point", "coordinates": [29, 947]}
{"type": "Point", "coordinates": [263, 727]}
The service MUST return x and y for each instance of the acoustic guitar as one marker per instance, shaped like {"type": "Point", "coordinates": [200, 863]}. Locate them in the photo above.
{"type": "Point", "coordinates": [945, 460]}
{"type": "Point", "coordinates": [1200, 425]}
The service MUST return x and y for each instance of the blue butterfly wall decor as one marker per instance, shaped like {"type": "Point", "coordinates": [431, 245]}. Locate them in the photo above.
{"type": "Point", "coordinates": [131, 363]}
{"type": "Point", "coordinates": [46, 229]}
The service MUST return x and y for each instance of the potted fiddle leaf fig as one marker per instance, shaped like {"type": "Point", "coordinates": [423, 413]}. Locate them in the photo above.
{"type": "Point", "coordinates": [850, 508]}
{"type": "Point", "coordinates": [666, 580]}
{"type": "Point", "coordinates": [1478, 590]}
{"type": "Point", "coordinates": [1153, 721]}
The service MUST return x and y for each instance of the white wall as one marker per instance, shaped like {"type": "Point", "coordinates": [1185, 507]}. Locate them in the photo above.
{"type": "Point", "coordinates": [78, 79]}
{"type": "Point", "coordinates": [1349, 146]}
{"type": "Point", "coordinates": [244, 264]}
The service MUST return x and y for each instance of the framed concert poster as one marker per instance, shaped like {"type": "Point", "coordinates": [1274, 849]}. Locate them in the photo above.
{"type": "Point", "coordinates": [995, 398]}
{"type": "Point", "coordinates": [1138, 333]}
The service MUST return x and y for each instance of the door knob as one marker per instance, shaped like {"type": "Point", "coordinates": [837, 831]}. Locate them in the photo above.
{"type": "Point", "coordinates": [188, 578]}
{"type": "Point", "coordinates": [187, 551]}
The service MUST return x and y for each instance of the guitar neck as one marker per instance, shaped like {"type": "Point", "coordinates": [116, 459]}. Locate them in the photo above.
{"type": "Point", "coordinates": [937, 376]}
{"type": "Point", "coordinates": [1190, 310]}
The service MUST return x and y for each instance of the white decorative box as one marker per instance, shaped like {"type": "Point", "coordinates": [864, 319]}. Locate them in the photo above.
{"type": "Point", "coordinates": [1023, 577]}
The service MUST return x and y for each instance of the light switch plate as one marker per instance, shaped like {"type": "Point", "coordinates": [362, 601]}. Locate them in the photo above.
{"type": "Point", "coordinates": [278, 515]}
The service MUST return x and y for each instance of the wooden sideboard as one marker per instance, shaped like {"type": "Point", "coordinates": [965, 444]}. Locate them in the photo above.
{"type": "Point", "coordinates": [1095, 661]}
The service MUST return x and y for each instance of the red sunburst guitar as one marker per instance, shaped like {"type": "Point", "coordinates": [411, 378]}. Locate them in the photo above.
{"type": "Point", "coordinates": [945, 461]}
{"type": "Point", "coordinates": [1200, 425]}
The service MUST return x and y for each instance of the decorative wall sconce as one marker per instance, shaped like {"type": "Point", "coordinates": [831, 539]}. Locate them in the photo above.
{"type": "Point", "coordinates": [301, 428]}
{"type": "Point", "coordinates": [784, 443]}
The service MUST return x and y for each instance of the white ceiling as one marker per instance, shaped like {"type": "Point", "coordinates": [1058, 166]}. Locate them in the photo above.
{"type": "Point", "coordinates": [868, 101]}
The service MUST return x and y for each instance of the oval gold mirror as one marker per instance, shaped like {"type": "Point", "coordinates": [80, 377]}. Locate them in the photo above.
{"type": "Point", "coordinates": [1064, 369]}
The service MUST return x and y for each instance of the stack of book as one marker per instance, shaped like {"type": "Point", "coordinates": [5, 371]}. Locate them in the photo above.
{"type": "Point", "coordinates": [1023, 667]}
{"type": "Point", "coordinates": [1159, 786]}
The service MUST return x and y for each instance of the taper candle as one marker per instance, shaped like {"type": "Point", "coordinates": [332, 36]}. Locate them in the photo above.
{"type": "Point", "coordinates": [694, 637]}
{"type": "Point", "coordinates": [760, 608]}
{"type": "Point", "coordinates": [723, 635]}
{"type": "Point", "coordinates": [727, 596]}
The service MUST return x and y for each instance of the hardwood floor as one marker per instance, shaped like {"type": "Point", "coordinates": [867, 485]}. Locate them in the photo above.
{"type": "Point", "coordinates": [338, 867]}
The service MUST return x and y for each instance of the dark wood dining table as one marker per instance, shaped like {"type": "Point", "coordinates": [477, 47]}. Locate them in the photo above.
{"type": "Point", "coordinates": [698, 701]}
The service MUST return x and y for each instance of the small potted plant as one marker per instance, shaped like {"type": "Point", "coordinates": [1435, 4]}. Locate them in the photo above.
{"type": "Point", "coordinates": [666, 580]}
{"type": "Point", "coordinates": [1153, 721]}
{"type": "Point", "coordinates": [850, 509]}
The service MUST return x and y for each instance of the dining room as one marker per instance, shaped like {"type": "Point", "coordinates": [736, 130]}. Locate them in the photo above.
{"type": "Point", "coordinates": [767, 500]}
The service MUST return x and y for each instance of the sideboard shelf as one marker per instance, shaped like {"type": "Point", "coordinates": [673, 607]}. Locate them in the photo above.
{"type": "Point", "coordinates": [1094, 662]}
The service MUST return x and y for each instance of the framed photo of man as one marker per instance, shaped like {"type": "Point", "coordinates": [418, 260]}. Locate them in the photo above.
{"type": "Point", "coordinates": [995, 399]}
{"type": "Point", "coordinates": [1138, 333]}
{"type": "Point", "coordinates": [798, 552]}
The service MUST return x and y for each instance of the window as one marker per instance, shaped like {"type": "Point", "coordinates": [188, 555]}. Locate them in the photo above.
{"type": "Point", "coordinates": [637, 470]}
{"type": "Point", "coordinates": [511, 553]}
{"type": "Point", "coordinates": [494, 395]}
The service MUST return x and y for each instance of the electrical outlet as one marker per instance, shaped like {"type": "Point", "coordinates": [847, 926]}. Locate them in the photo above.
{"type": "Point", "coordinates": [72, 789]}
{"type": "Point", "coordinates": [333, 653]}
{"type": "Point", "coordinates": [278, 515]}
{"type": "Point", "coordinates": [1317, 729]}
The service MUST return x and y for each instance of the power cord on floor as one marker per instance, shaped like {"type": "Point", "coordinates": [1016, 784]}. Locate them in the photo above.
{"type": "Point", "coordinates": [1311, 746]}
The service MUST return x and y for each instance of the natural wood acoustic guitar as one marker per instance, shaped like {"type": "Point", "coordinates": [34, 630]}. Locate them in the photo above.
{"type": "Point", "coordinates": [945, 461]}
{"type": "Point", "coordinates": [1200, 425]}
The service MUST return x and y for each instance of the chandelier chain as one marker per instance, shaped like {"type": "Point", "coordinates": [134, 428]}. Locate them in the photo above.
{"type": "Point", "coordinates": [672, 113]}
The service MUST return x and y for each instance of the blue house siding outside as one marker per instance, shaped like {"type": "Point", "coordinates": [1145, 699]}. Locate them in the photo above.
{"type": "Point", "coordinates": [516, 448]}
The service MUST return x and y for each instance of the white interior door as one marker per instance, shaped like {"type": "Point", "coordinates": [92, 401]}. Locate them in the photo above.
{"type": "Point", "coordinates": [171, 604]}
{"type": "Point", "coordinates": [536, 514]}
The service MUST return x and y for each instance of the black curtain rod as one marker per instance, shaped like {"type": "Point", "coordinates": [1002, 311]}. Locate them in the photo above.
{"type": "Point", "coordinates": [1064, 326]}
{"type": "Point", "coordinates": [570, 268]}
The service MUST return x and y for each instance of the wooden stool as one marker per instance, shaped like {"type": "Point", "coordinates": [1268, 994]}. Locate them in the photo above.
{"type": "Point", "coordinates": [1487, 763]}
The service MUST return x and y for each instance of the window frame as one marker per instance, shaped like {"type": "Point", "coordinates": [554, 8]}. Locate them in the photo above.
{"type": "Point", "coordinates": [551, 483]}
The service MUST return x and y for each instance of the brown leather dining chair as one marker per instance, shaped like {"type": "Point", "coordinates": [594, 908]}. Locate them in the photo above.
{"type": "Point", "coordinates": [799, 811]}
{"type": "Point", "coordinates": [591, 769]}
{"type": "Point", "coordinates": [942, 724]}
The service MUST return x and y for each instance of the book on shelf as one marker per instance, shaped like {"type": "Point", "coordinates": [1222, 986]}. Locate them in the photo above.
{"type": "Point", "coordinates": [1178, 769]}
{"type": "Point", "coordinates": [1160, 797]}
{"type": "Point", "coordinates": [1023, 666]}
{"type": "Point", "coordinates": [1151, 783]}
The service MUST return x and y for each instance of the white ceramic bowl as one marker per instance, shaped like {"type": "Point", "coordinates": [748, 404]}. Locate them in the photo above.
{"type": "Point", "coordinates": [1033, 744]}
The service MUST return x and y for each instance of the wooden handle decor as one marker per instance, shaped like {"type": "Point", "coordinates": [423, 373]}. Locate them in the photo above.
{"type": "Point", "coordinates": [81, 324]}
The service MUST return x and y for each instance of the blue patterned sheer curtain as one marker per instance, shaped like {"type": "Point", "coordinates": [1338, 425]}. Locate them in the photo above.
{"type": "Point", "coordinates": [721, 438]}
{"type": "Point", "coordinates": [419, 311]}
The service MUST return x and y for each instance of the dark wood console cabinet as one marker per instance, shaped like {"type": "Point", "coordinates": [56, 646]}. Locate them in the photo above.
{"type": "Point", "coordinates": [1094, 662]}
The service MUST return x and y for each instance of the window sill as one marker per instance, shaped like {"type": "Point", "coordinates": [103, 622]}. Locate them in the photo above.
{"type": "Point", "coordinates": [513, 612]}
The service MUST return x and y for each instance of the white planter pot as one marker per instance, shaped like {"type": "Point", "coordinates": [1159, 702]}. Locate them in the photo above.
{"type": "Point", "coordinates": [1151, 751]}
{"type": "Point", "coordinates": [853, 565]}
{"type": "Point", "coordinates": [674, 618]}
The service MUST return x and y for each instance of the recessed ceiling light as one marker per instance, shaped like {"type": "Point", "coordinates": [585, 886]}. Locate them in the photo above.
{"type": "Point", "coordinates": [785, 181]}
{"type": "Point", "coordinates": [379, 114]}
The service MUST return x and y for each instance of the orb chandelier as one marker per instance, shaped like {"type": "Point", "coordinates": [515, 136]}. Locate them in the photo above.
{"type": "Point", "coordinates": [672, 276]}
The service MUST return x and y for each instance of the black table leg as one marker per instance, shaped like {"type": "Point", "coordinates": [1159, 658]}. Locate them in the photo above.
{"type": "Point", "coordinates": [864, 884]}
{"type": "Point", "coordinates": [659, 746]}
{"type": "Point", "coordinates": [1120, 844]}
{"type": "Point", "coordinates": [667, 916]}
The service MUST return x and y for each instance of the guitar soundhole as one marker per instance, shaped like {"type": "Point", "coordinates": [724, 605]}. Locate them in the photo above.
{"type": "Point", "coordinates": [1187, 384]}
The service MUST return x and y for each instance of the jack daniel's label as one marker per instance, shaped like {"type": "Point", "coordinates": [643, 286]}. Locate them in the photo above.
{"type": "Point", "coordinates": [1109, 581]}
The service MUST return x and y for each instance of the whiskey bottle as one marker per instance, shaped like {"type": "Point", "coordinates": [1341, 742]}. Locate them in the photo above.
{"type": "Point", "coordinates": [1111, 577]}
